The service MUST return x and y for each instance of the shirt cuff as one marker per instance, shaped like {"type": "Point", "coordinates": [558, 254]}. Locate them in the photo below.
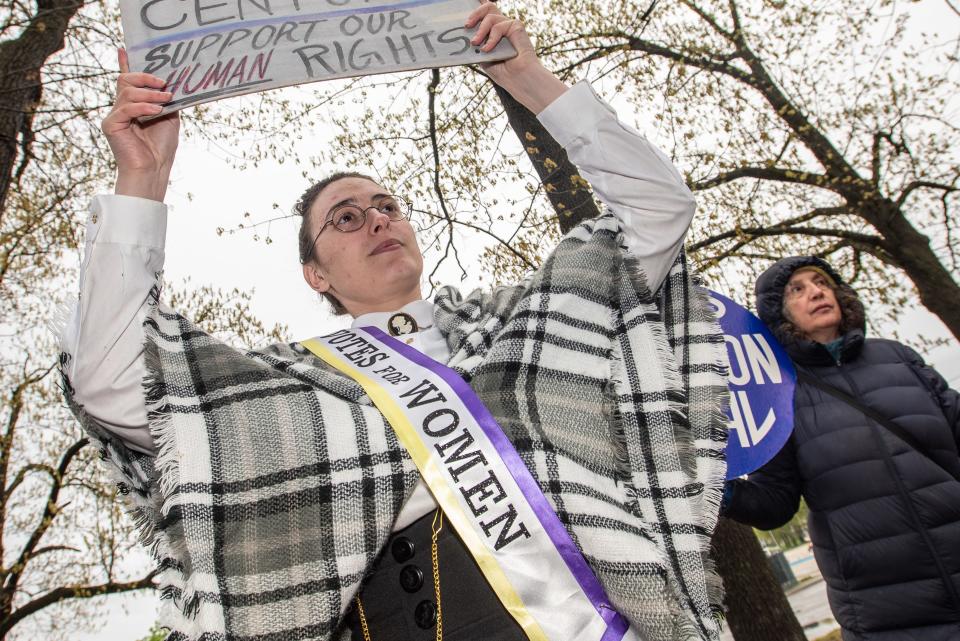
{"type": "Point", "coordinates": [127, 220]}
{"type": "Point", "coordinates": [577, 112]}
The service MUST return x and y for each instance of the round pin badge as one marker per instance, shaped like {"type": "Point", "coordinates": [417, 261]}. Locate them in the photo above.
{"type": "Point", "coordinates": [401, 323]}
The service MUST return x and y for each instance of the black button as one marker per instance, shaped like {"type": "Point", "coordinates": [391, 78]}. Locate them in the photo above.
{"type": "Point", "coordinates": [426, 614]}
{"type": "Point", "coordinates": [402, 549]}
{"type": "Point", "coordinates": [411, 578]}
{"type": "Point", "coordinates": [353, 615]}
{"type": "Point", "coordinates": [123, 488]}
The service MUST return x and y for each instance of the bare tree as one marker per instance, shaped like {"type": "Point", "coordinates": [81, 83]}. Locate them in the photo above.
{"type": "Point", "coordinates": [804, 128]}
{"type": "Point", "coordinates": [64, 537]}
{"type": "Point", "coordinates": [30, 36]}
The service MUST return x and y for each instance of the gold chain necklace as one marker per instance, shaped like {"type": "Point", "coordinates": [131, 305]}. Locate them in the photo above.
{"type": "Point", "coordinates": [435, 527]}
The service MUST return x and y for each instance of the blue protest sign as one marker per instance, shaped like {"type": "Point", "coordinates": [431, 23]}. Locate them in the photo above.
{"type": "Point", "coordinates": [761, 383]}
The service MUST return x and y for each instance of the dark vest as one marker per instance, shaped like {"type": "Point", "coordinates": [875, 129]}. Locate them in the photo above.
{"type": "Point", "coordinates": [399, 599]}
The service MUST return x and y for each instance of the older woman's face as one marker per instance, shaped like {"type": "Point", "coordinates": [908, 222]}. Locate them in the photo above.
{"type": "Point", "coordinates": [810, 303]}
{"type": "Point", "coordinates": [377, 267]}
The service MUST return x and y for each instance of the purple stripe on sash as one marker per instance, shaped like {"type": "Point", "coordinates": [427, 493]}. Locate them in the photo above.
{"type": "Point", "coordinates": [616, 624]}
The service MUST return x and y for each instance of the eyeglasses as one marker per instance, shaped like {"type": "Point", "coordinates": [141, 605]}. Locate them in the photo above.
{"type": "Point", "coordinates": [350, 218]}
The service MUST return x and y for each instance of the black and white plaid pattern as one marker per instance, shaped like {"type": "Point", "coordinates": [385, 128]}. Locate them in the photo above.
{"type": "Point", "coordinates": [614, 399]}
{"type": "Point", "coordinates": [277, 482]}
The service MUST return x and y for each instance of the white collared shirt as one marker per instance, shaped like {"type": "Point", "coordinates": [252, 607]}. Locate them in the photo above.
{"type": "Point", "coordinates": [125, 239]}
{"type": "Point", "coordinates": [427, 339]}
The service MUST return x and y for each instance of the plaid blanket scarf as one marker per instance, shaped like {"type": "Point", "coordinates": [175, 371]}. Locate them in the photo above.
{"type": "Point", "coordinates": [277, 482]}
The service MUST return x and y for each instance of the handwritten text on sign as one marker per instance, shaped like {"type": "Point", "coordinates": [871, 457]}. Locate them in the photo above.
{"type": "Point", "coordinates": [210, 49]}
{"type": "Point", "coordinates": [761, 383]}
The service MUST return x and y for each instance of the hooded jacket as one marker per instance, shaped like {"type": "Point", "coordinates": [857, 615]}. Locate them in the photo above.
{"type": "Point", "coordinates": [884, 519]}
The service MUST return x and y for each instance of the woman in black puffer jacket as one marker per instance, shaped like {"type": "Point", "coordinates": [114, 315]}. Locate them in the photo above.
{"type": "Point", "coordinates": [884, 515]}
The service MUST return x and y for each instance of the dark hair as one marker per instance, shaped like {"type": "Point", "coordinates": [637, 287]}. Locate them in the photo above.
{"type": "Point", "coordinates": [305, 237]}
{"type": "Point", "coordinates": [852, 315]}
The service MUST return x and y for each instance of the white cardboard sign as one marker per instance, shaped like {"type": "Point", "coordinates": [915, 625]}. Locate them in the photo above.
{"type": "Point", "coordinates": [211, 49]}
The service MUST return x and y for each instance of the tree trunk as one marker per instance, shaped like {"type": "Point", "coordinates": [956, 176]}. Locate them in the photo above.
{"type": "Point", "coordinates": [567, 190]}
{"type": "Point", "coordinates": [757, 608]}
{"type": "Point", "coordinates": [20, 83]}
{"type": "Point", "coordinates": [911, 251]}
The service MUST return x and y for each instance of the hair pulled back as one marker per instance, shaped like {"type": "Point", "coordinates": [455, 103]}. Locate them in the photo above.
{"type": "Point", "coordinates": [306, 237]}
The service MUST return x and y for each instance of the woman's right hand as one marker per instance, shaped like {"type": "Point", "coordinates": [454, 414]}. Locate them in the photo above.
{"type": "Point", "coordinates": [144, 150]}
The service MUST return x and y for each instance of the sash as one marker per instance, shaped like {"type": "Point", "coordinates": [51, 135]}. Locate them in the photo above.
{"type": "Point", "coordinates": [484, 488]}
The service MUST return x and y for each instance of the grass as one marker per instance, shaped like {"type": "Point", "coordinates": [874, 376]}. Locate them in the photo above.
{"type": "Point", "coordinates": [832, 636]}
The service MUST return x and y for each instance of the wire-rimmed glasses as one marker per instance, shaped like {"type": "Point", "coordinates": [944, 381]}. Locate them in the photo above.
{"type": "Point", "coordinates": [349, 218]}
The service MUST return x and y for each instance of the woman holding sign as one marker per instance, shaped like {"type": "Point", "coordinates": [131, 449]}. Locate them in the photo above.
{"type": "Point", "coordinates": [293, 492]}
{"type": "Point", "coordinates": [874, 452]}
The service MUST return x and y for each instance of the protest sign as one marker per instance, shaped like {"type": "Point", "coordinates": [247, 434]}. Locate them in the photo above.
{"type": "Point", "coordinates": [761, 382]}
{"type": "Point", "coordinates": [211, 49]}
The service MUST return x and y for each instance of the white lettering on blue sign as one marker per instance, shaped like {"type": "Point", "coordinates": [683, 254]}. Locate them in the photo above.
{"type": "Point", "coordinates": [744, 422]}
{"type": "Point", "coordinates": [754, 356]}
{"type": "Point", "coordinates": [750, 354]}
{"type": "Point", "coordinates": [761, 380]}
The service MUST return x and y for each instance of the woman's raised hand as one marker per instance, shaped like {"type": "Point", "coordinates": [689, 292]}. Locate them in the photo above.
{"type": "Point", "coordinates": [144, 150]}
{"type": "Point", "coordinates": [523, 76]}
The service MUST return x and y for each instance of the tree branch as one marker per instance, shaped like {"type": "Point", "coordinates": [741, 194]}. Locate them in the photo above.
{"type": "Point", "coordinates": [924, 184]}
{"type": "Point", "coordinates": [756, 232]}
{"type": "Point", "coordinates": [503, 242]}
{"type": "Point", "coordinates": [709, 19]}
{"type": "Point", "coordinates": [780, 174]}
{"type": "Point", "coordinates": [737, 27]}
{"type": "Point", "coordinates": [596, 54]}
{"type": "Point", "coordinates": [432, 90]}
{"type": "Point", "coordinates": [21, 475]}
{"type": "Point", "coordinates": [876, 157]}
{"type": "Point", "coordinates": [54, 548]}
{"type": "Point", "coordinates": [50, 512]}
{"type": "Point", "coordinates": [434, 144]}
{"type": "Point", "coordinates": [72, 592]}
{"type": "Point", "coordinates": [796, 220]}
{"type": "Point", "coordinates": [707, 64]}
{"type": "Point", "coordinates": [6, 441]}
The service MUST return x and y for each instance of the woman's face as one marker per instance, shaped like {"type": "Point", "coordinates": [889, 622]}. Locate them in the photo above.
{"type": "Point", "coordinates": [377, 267]}
{"type": "Point", "coordinates": [810, 303]}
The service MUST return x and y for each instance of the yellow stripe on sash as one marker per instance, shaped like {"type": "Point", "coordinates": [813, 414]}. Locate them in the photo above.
{"type": "Point", "coordinates": [442, 492]}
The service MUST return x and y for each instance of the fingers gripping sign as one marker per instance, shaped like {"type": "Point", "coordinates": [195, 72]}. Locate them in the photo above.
{"type": "Point", "coordinates": [523, 75]}
{"type": "Point", "coordinates": [144, 145]}
{"type": "Point", "coordinates": [492, 27]}
{"type": "Point", "coordinates": [179, 61]}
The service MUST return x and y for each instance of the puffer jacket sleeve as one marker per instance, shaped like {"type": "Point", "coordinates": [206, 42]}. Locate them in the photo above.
{"type": "Point", "coordinates": [769, 497]}
{"type": "Point", "coordinates": [948, 398]}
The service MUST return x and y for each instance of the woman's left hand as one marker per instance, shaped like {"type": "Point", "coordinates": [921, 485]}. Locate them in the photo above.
{"type": "Point", "coordinates": [492, 27]}
{"type": "Point", "coordinates": [524, 76]}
